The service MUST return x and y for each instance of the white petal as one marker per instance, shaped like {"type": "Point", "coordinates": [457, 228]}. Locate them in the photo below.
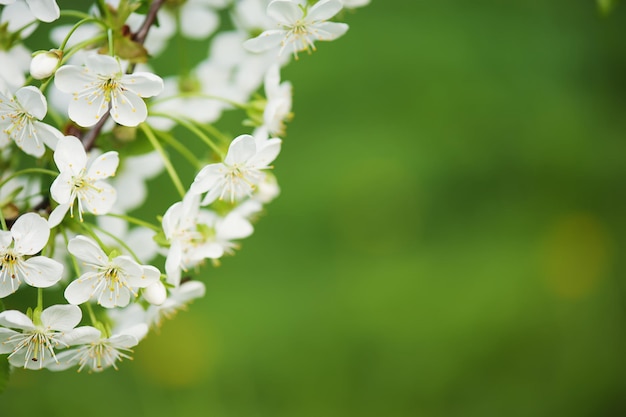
{"type": "Point", "coordinates": [266, 154]}
{"type": "Point", "coordinates": [33, 101]}
{"type": "Point", "coordinates": [155, 293]}
{"type": "Point", "coordinates": [57, 215]}
{"type": "Point", "coordinates": [80, 336]}
{"type": "Point", "coordinates": [104, 166]}
{"type": "Point", "coordinates": [5, 239]}
{"type": "Point", "coordinates": [234, 227]}
{"type": "Point", "coordinates": [284, 12]}
{"type": "Point", "coordinates": [87, 251]}
{"type": "Point", "coordinates": [48, 134]}
{"type": "Point", "coordinates": [5, 345]}
{"type": "Point", "coordinates": [100, 200]}
{"type": "Point", "coordinates": [82, 289]}
{"type": "Point", "coordinates": [70, 155]}
{"type": "Point", "coordinates": [44, 10]}
{"type": "Point", "coordinates": [198, 22]}
{"type": "Point", "coordinates": [207, 178]}
{"type": "Point", "coordinates": [329, 31]}
{"type": "Point", "coordinates": [31, 233]}
{"type": "Point", "coordinates": [42, 272]}
{"type": "Point", "coordinates": [61, 190]}
{"type": "Point", "coordinates": [103, 64]}
{"type": "Point", "coordinates": [323, 10]}
{"type": "Point", "coordinates": [240, 150]}
{"type": "Point", "coordinates": [265, 41]}
{"type": "Point", "coordinates": [144, 84]}
{"type": "Point", "coordinates": [87, 112]}
{"type": "Point", "coordinates": [61, 317]}
{"type": "Point", "coordinates": [16, 319]}
{"type": "Point", "coordinates": [128, 109]}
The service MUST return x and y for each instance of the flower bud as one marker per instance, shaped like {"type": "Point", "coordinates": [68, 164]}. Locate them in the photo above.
{"type": "Point", "coordinates": [44, 63]}
{"type": "Point", "coordinates": [155, 293]}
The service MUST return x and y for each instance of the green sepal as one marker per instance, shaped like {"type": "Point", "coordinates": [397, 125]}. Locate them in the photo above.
{"type": "Point", "coordinates": [161, 240]}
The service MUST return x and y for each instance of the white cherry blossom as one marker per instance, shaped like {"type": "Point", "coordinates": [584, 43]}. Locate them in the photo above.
{"type": "Point", "coordinates": [109, 281]}
{"type": "Point", "coordinates": [177, 300]}
{"type": "Point", "coordinates": [97, 352]}
{"type": "Point", "coordinates": [101, 86]}
{"type": "Point", "coordinates": [80, 182]}
{"type": "Point", "coordinates": [279, 100]}
{"type": "Point", "coordinates": [27, 237]}
{"type": "Point", "coordinates": [241, 171]}
{"type": "Point", "coordinates": [300, 26]}
{"type": "Point", "coordinates": [196, 235]}
{"type": "Point", "coordinates": [44, 10]}
{"type": "Point", "coordinates": [34, 347]}
{"type": "Point", "coordinates": [20, 121]}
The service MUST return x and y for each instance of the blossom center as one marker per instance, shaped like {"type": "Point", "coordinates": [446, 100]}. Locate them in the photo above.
{"type": "Point", "coordinates": [9, 264]}
{"type": "Point", "coordinates": [36, 343]}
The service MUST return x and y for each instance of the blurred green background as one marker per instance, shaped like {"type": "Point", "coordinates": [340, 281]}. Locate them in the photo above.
{"type": "Point", "coordinates": [449, 240]}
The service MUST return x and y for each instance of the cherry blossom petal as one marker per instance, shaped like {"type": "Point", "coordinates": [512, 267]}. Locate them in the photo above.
{"type": "Point", "coordinates": [144, 84]}
{"type": "Point", "coordinates": [16, 320]}
{"type": "Point", "coordinates": [87, 251]}
{"type": "Point", "coordinates": [33, 100]}
{"type": "Point", "coordinates": [42, 272]}
{"type": "Point", "coordinates": [200, 21]}
{"type": "Point", "coordinates": [99, 200]}
{"type": "Point", "coordinates": [240, 150]}
{"type": "Point", "coordinates": [328, 31]}
{"type": "Point", "coordinates": [265, 41]}
{"type": "Point", "coordinates": [128, 109]}
{"type": "Point", "coordinates": [62, 317]}
{"type": "Point", "coordinates": [5, 239]}
{"type": "Point", "coordinates": [284, 12]}
{"type": "Point", "coordinates": [57, 215]}
{"type": "Point", "coordinates": [81, 289]}
{"type": "Point", "coordinates": [323, 10]}
{"type": "Point", "coordinates": [30, 233]}
{"type": "Point", "coordinates": [70, 155]}
{"type": "Point", "coordinates": [44, 10]}
{"type": "Point", "coordinates": [5, 335]}
{"type": "Point", "coordinates": [104, 166]}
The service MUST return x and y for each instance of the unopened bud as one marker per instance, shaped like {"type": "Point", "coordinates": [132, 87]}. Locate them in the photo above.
{"type": "Point", "coordinates": [44, 63]}
{"type": "Point", "coordinates": [155, 293]}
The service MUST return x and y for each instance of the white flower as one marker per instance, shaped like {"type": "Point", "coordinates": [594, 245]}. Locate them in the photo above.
{"type": "Point", "coordinates": [101, 84]}
{"type": "Point", "coordinates": [240, 173]}
{"type": "Point", "coordinates": [44, 10]}
{"type": "Point", "coordinates": [33, 347]}
{"type": "Point", "coordinates": [300, 26]}
{"type": "Point", "coordinates": [198, 18]}
{"type": "Point", "coordinates": [44, 64]}
{"type": "Point", "coordinates": [20, 121]}
{"type": "Point", "coordinates": [76, 181]}
{"type": "Point", "coordinates": [196, 235]}
{"type": "Point", "coordinates": [278, 106]}
{"type": "Point", "coordinates": [178, 299]}
{"type": "Point", "coordinates": [155, 293]}
{"type": "Point", "coordinates": [98, 352]}
{"type": "Point", "coordinates": [28, 236]}
{"type": "Point", "coordinates": [110, 282]}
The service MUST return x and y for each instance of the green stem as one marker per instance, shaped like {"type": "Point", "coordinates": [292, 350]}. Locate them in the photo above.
{"type": "Point", "coordinates": [92, 316]}
{"type": "Point", "coordinates": [134, 220]}
{"type": "Point", "coordinates": [40, 299]}
{"type": "Point", "coordinates": [90, 232]}
{"type": "Point", "coordinates": [87, 19]}
{"type": "Point", "coordinates": [191, 94]}
{"type": "Point", "coordinates": [74, 13]}
{"type": "Point", "coordinates": [28, 171]}
{"type": "Point", "coordinates": [3, 221]}
{"type": "Point", "coordinates": [182, 149]}
{"type": "Point", "coordinates": [190, 126]}
{"type": "Point", "coordinates": [166, 161]}
{"type": "Point", "coordinates": [72, 257]}
{"type": "Point", "coordinates": [120, 242]}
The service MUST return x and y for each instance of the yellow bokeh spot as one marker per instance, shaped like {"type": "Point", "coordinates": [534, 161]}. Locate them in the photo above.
{"type": "Point", "coordinates": [181, 354]}
{"type": "Point", "coordinates": [576, 255]}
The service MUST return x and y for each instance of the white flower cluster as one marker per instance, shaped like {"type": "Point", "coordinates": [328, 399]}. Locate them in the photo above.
{"type": "Point", "coordinates": [86, 122]}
